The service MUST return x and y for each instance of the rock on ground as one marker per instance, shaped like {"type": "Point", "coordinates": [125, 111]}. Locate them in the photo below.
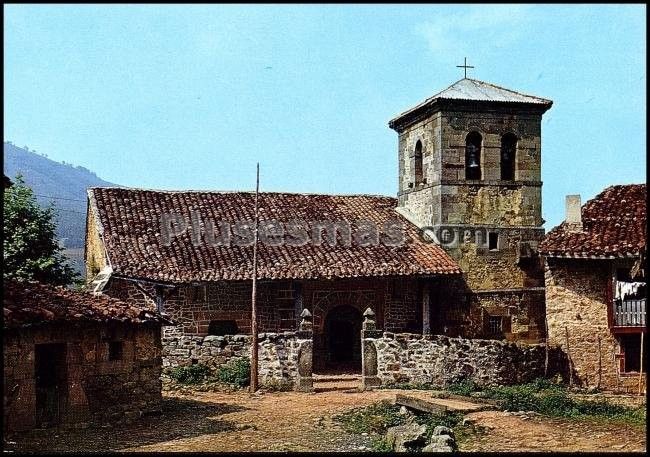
{"type": "Point", "coordinates": [405, 438]}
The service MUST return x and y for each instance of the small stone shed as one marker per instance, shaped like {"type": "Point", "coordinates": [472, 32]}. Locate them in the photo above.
{"type": "Point", "coordinates": [596, 287]}
{"type": "Point", "coordinates": [71, 358]}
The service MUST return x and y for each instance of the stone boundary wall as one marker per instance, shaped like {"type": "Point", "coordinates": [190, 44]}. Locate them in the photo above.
{"type": "Point", "coordinates": [440, 360]}
{"type": "Point", "coordinates": [278, 353]}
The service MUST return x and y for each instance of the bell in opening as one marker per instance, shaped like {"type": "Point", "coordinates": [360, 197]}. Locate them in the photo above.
{"type": "Point", "coordinates": [473, 156]}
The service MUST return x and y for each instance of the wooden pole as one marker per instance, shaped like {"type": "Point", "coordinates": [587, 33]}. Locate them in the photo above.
{"type": "Point", "coordinates": [426, 309]}
{"type": "Point", "coordinates": [641, 365]}
{"type": "Point", "coordinates": [254, 348]}
{"type": "Point", "coordinates": [600, 363]}
{"type": "Point", "coordinates": [545, 346]}
{"type": "Point", "coordinates": [568, 354]}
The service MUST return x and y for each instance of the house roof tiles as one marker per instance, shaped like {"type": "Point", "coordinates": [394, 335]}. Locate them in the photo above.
{"type": "Point", "coordinates": [30, 303]}
{"type": "Point", "coordinates": [614, 224]}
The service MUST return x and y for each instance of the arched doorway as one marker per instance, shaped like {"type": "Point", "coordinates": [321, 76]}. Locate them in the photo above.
{"type": "Point", "coordinates": [343, 339]}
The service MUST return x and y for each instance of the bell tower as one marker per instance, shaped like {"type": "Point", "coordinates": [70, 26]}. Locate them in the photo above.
{"type": "Point", "coordinates": [470, 172]}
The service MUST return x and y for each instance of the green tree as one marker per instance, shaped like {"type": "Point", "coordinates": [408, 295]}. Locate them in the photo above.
{"type": "Point", "coordinates": [30, 248]}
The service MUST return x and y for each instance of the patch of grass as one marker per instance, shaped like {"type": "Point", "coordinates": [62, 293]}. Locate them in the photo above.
{"type": "Point", "coordinates": [550, 399]}
{"type": "Point", "coordinates": [604, 409]}
{"type": "Point", "coordinates": [408, 386]}
{"type": "Point", "coordinates": [376, 418]}
{"type": "Point", "coordinates": [379, 417]}
{"type": "Point", "coordinates": [380, 445]}
{"type": "Point", "coordinates": [464, 387]}
{"type": "Point", "coordinates": [236, 372]}
{"type": "Point", "coordinates": [190, 374]}
{"type": "Point", "coordinates": [545, 397]}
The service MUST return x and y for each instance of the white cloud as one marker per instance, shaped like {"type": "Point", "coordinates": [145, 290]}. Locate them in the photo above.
{"type": "Point", "coordinates": [461, 32]}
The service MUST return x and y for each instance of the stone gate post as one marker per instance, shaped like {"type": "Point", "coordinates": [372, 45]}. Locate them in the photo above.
{"type": "Point", "coordinates": [369, 378]}
{"type": "Point", "coordinates": [305, 335]}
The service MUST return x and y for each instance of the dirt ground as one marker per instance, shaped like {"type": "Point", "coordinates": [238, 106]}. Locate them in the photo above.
{"type": "Point", "coordinates": [289, 421]}
{"type": "Point", "coordinates": [509, 432]}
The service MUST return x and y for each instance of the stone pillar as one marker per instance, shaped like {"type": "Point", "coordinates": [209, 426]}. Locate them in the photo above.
{"type": "Point", "coordinates": [160, 299]}
{"type": "Point", "coordinates": [305, 334]}
{"type": "Point", "coordinates": [297, 300]}
{"type": "Point", "coordinates": [426, 309]}
{"type": "Point", "coordinates": [369, 378]}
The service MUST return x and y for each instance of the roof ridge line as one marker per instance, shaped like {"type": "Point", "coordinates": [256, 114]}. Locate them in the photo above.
{"type": "Point", "coordinates": [503, 88]}
{"type": "Point", "coordinates": [166, 191]}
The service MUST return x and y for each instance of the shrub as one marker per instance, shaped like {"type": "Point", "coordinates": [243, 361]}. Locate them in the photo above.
{"type": "Point", "coordinates": [543, 383]}
{"type": "Point", "coordinates": [464, 387]}
{"type": "Point", "coordinates": [555, 403]}
{"type": "Point", "coordinates": [235, 372]}
{"type": "Point", "coordinates": [190, 374]}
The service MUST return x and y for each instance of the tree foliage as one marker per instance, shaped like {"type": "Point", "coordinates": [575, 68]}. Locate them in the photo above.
{"type": "Point", "coordinates": [30, 248]}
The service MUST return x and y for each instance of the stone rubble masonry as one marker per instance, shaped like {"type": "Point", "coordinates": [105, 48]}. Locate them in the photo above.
{"type": "Point", "coordinates": [99, 390]}
{"type": "Point", "coordinates": [576, 303]}
{"type": "Point", "coordinates": [440, 360]}
{"type": "Point", "coordinates": [278, 352]}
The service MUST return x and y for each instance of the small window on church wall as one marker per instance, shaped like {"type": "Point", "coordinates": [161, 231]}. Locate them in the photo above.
{"type": "Point", "coordinates": [221, 328]}
{"type": "Point", "coordinates": [508, 156]}
{"type": "Point", "coordinates": [495, 325]}
{"type": "Point", "coordinates": [196, 294]}
{"type": "Point", "coordinates": [473, 156]}
{"type": "Point", "coordinates": [419, 178]}
{"type": "Point", "coordinates": [493, 241]}
{"type": "Point", "coordinates": [115, 350]}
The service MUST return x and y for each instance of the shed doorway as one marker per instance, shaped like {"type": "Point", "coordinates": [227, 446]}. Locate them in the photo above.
{"type": "Point", "coordinates": [51, 383]}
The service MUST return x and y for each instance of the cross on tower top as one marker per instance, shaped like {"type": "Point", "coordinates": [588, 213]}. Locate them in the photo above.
{"type": "Point", "coordinates": [465, 66]}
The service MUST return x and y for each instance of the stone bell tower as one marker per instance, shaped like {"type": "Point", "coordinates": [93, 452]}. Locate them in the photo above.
{"type": "Point", "coordinates": [470, 170]}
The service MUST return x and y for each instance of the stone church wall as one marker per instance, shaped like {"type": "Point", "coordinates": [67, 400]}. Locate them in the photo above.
{"type": "Point", "coordinates": [192, 308]}
{"type": "Point", "coordinates": [455, 310]}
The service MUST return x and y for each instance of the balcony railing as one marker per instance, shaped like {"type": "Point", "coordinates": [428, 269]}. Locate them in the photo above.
{"type": "Point", "coordinates": [629, 313]}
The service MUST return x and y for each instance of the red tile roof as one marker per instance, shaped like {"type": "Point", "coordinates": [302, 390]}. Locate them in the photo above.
{"type": "Point", "coordinates": [130, 223]}
{"type": "Point", "coordinates": [614, 224]}
{"type": "Point", "coordinates": [28, 303]}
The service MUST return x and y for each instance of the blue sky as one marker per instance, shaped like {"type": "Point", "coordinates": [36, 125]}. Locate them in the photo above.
{"type": "Point", "coordinates": [191, 97]}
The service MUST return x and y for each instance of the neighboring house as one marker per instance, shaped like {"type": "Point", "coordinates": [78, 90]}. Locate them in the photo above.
{"type": "Point", "coordinates": [469, 174]}
{"type": "Point", "coordinates": [596, 286]}
{"type": "Point", "coordinates": [73, 358]}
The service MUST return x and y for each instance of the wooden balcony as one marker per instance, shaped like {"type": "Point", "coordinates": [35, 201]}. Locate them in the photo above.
{"type": "Point", "coordinates": [629, 313]}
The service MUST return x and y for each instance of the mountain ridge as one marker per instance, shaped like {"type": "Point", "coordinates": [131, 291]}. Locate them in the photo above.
{"type": "Point", "coordinates": [61, 183]}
